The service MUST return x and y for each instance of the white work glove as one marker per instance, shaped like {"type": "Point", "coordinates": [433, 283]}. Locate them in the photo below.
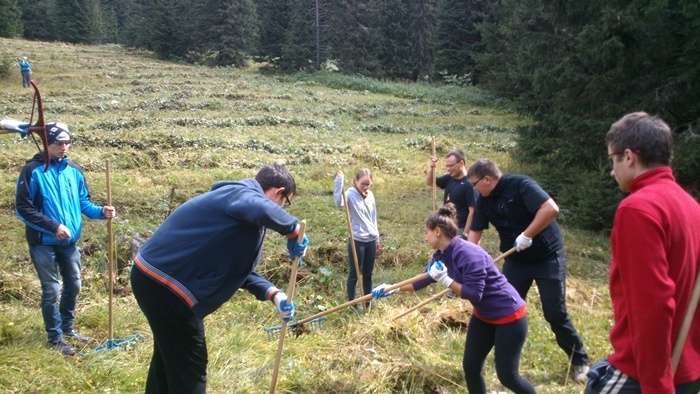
{"type": "Point", "coordinates": [522, 242]}
{"type": "Point", "coordinates": [284, 311]}
{"type": "Point", "coordinates": [380, 291]}
{"type": "Point", "coordinates": [438, 272]}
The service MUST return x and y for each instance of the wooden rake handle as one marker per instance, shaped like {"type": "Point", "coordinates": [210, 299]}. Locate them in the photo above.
{"type": "Point", "coordinates": [434, 178]}
{"type": "Point", "coordinates": [290, 294]}
{"type": "Point", "coordinates": [685, 325]}
{"type": "Point", "coordinates": [442, 293]}
{"type": "Point", "coordinates": [429, 300]}
{"type": "Point", "coordinates": [365, 298]}
{"type": "Point", "coordinates": [358, 273]}
{"type": "Point", "coordinates": [110, 257]}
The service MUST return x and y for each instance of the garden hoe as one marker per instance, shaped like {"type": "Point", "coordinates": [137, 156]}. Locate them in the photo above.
{"type": "Point", "coordinates": [290, 295]}
{"type": "Point", "coordinates": [442, 293]}
{"type": "Point", "coordinates": [112, 343]}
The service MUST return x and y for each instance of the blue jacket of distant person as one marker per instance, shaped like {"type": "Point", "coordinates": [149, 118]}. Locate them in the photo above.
{"type": "Point", "coordinates": [209, 247]}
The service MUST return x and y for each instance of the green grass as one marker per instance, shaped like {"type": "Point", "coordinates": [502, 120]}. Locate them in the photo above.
{"type": "Point", "coordinates": [171, 130]}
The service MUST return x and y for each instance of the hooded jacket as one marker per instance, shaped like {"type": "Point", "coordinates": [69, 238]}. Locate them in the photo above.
{"type": "Point", "coordinates": [209, 246]}
{"type": "Point", "coordinates": [45, 200]}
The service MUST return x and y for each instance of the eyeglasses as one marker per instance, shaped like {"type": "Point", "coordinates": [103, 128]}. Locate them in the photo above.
{"type": "Point", "coordinates": [449, 166]}
{"type": "Point", "coordinates": [620, 152]}
{"type": "Point", "coordinates": [610, 156]}
{"type": "Point", "coordinates": [287, 203]}
{"type": "Point", "coordinates": [478, 180]}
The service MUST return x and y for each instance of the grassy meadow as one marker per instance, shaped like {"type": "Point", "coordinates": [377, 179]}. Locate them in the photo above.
{"type": "Point", "coordinates": [170, 130]}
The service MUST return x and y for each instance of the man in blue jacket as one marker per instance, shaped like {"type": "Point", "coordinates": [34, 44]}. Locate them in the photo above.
{"type": "Point", "coordinates": [51, 204]}
{"type": "Point", "coordinates": [198, 258]}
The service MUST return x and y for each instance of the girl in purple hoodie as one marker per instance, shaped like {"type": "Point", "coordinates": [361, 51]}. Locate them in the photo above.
{"type": "Point", "coordinates": [499, 316]}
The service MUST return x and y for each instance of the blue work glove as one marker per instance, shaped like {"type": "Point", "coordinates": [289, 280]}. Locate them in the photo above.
{"type": "Point", "coordinates": [284, 310]}
{"type": "Point", "coordinates": [380, 291]}
{"type": "Point", "coordinates": [438, 272]}
{"type": "Point", "coordinates": [297, 249]}
{"type": "Point", "coordinates": [522, 242]}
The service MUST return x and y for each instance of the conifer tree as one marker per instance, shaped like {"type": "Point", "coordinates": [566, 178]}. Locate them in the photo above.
{"type": "Point", "coordinates": [228, 29]}
{"type": "Point", "coordinates": [10, 19]}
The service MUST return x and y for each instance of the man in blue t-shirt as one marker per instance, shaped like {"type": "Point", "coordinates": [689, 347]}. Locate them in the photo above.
{"type": "Point", "coordinates": [458, 189]}
{"type": "Point", "coordinates": [524, 216]}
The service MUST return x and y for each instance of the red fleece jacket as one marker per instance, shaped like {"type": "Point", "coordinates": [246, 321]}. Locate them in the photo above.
{"type": "Point", "coordinates": [655, 259]}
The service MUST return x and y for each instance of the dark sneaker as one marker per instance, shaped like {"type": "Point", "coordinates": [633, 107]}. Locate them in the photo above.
{"type": "Point", "coordinates": [74, 335]}
{"type": "Point", "coordinates": [61, 346]}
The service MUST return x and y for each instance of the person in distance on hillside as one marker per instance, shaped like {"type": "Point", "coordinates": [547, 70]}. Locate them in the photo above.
{"type": "Point", "coordinates": [655, 245]}
{"type": "Point", "coordinates": [363, 217]}
{"type": "Point", "coordinates": [499, 316]}
{"type": "Point", "coordinates": [51, 205]}
{"type": "Point", "coordinates": [458, 189]}
{"type": "Point", "coordinates": [26, 70]}
{"type": "Point", "coordinates": [198, 258]}
{"type": "Point", "coordinates": [524, 216]}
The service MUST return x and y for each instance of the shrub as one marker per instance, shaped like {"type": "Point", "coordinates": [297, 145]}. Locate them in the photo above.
{"type": "Point", "coordinates": [5, 68]}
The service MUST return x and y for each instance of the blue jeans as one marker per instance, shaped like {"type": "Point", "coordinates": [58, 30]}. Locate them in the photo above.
{"type": "Point", "coordinates": [49, 261]}
{"type": "Point", "coordinates": [26, 77]}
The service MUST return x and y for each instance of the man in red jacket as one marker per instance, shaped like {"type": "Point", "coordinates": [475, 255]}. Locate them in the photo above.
{"type": "Point", "coordinates": [655, 261]}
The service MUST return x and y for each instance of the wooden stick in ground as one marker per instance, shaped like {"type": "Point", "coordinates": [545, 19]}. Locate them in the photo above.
{"type": "Point", "coordinates": [365, 298]}
{"type": "Point", "coordinates": [358, 273]}
{"type": "Point", "coordinates": [434, 179]}
{"type": "Point", "coordinates": [442, 293]}
{"type": "Point", "coordinates": [685, 325]}
{"type": "Point", "coordinates": [110, 258]}
{"type": "Point", "coordinates": [290, 294]}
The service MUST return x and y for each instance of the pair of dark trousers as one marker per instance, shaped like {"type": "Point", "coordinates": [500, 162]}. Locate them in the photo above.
{"type": "Point", "coordinates": [508, 340]}
{"type": "Point", "coordinates": [550, 277]}
{"type": "Point", "coordinates": [366, 254]}
{"type": "Point", "coordinates": [179, 363]}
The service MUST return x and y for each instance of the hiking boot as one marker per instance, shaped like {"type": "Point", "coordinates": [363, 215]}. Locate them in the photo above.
{"type": "Point", "coordinates": [76, 336]}
{"type": "Point", "coordinates": [61, 346]}
{"type": "Point", "coordinates": [578, 373]}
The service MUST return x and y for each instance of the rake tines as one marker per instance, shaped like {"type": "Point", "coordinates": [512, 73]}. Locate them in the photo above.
{"type": "Point", "coordinates": [273, 333]}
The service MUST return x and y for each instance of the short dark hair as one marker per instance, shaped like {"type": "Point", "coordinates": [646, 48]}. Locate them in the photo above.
{"type": "Point", "coordinates": [276, 175]}
{"type": "Point", "coordinates": [445, 218]}
{"type": "Point", "coordinates": [646, 135]}
{"type": "Point", "coordinates": [484, 167]}
{"type": "Point", "coordinates": [457, 155]}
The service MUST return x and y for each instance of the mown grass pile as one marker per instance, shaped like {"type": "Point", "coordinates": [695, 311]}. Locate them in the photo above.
{"type": "Point", "coordinates": [171, 130]}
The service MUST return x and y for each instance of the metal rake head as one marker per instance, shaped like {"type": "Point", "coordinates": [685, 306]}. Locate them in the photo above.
{"type": "Point", "coordinates": [116, 343]}
{"type": "Point", "coordinates": [273, 333]}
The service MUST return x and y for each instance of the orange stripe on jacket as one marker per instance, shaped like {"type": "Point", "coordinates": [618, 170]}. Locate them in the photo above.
{"type": "Point", "coordinates": [157, 278]}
